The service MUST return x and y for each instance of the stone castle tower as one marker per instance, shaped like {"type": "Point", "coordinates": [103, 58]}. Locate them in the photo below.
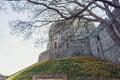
{"type": "Point", "coordinates": [68, 39]}
{"type": "Point", "coordinates": [78, 38]}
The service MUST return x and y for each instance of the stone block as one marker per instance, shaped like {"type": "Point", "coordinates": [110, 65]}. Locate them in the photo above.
{"type": "Point", "coordinates": [49, 77]}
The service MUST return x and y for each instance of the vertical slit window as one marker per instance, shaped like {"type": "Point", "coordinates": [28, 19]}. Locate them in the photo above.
{"type": "Point", "coordinates": [98, 38]}
{"type": "Point", "coordinates": [55, 44]}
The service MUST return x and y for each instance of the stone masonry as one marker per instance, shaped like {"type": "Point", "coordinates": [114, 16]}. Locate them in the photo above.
{"type": "Point", "coordinates": [86, 40]}
{"type": "Point", "coordinates": [103, 47]}
{"type": "Point", "coordinates": [71, 41]}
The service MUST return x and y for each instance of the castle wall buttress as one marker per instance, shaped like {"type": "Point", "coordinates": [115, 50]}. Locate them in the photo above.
{"type": "Point", "coordinates": [103, 46]}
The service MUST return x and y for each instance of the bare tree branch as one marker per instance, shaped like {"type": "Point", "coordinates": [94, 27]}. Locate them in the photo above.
{"type": "Point", "coordinates": [109, 3]}
{"type": "Point", "coordinates": [50, 11]}
{"type": "Point", "coordinates": [37, 3]}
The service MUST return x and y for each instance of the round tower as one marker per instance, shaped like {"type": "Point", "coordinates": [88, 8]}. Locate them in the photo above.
{"type": "Point", "coordinates": [66, 35]}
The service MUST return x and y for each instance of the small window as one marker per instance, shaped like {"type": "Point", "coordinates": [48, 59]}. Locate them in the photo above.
{"type": "Point", "coordinates": [55, 44]}
{"type": "Point", "coordinates": [98, 38]}
{"type": "Point", "coordinates": [98, 50]}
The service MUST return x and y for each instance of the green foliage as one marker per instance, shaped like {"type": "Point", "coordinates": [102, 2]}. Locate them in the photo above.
{"type": "Point", "coordinates": [75, 67]}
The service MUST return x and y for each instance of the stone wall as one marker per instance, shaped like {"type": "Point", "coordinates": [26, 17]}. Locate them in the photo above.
{"type": "Point", "coordinates": [49, 77]}
{"type": "Point", "coordinates": [84, 42]}
{"type": "Point", "coordinates": [80, 47]}
{"type": "Point", "coordinates": [98, 44]}
{"type": "Point", "coordinates": [75, 47]}
{"type": "Point", "coordinates": [70, 40]}
{"type": "Point", "coordinates": [103, 46]}
{"type": "Point", "coordinates": [43, 56]}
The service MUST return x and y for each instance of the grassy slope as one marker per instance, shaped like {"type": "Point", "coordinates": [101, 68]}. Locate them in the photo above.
{"type": "Point", "coordinates": [74, 68]}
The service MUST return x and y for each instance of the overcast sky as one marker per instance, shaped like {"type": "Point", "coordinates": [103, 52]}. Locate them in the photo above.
{"type": "Point", "coordinates": [15, 53]}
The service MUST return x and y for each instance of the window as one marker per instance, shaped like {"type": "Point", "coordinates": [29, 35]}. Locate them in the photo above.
{"type": "Point", "coordinates": [55, 44]}
{"type": "Point", "coordinates": [98, 50]}
{"type": "Point", "coordinates": [98, 38]}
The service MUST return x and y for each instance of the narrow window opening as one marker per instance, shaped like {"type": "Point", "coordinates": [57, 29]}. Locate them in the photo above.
{"type": "Point", "coordinates": [55, 44]}
{"type": "Point", "coordinates": [98, 38]}
{"type": "Point", "coordinates": [98, 50]}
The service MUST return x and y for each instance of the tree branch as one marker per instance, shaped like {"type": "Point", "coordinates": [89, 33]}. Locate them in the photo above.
{"type": "Point", "coordinates": [89, 19]}
{"type": "Point", "coordinates": [99, 6]}
{"type": "Point", "coordinates": [84, 9]}
{"type": "Point", "coordinates": [112, 17]}
{"type": "Point", "coordinates": [109, 3]}
{"type": "Point", "coordinates": [56, 10]}
{"type": "Point", "coordinates": [95, 16]}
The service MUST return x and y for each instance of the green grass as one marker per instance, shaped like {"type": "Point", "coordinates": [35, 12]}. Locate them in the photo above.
{"type": "Point", "coordinates": [75, 67]}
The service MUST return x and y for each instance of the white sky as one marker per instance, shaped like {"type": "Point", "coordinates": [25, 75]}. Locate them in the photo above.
{"type": "Point", "coordinates": [15, 53]}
